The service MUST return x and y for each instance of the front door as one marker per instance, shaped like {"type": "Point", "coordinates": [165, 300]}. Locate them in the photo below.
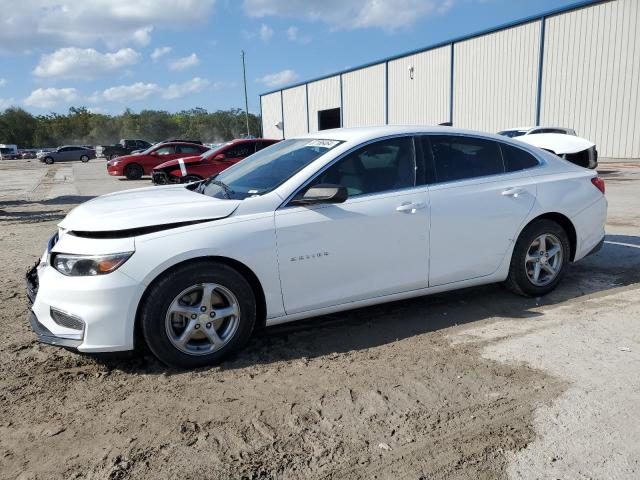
{"type": "Point", "coordinates": [374, 244]}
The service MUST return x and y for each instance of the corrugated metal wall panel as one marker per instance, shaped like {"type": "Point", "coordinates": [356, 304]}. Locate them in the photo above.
{"type": "Point", "coordinates": [495, 79]}
{"type": "Point", "coordinates": [323, 94]}
{"type": "Point", "coordinates": [425, 98]}
{"type": "Point", "coordinates": [363, 97]}
{"type": "Point", "coordinates": [295, 111]}
{"type": "Point", "coordinates": [590, 75]}
{"type": "Point", "coordinates": [271, 115]}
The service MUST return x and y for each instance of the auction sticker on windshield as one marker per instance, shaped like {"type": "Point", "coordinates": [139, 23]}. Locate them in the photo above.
{"type": "Point", "coordinates": [322, 143]}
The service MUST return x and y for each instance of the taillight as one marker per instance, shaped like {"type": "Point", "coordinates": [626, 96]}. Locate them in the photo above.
{"type": "Point", "coordinates": [599, 183]}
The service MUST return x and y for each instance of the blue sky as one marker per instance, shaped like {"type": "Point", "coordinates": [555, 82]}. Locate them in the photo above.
{"type": "Point", "coordinates": [175, 54]}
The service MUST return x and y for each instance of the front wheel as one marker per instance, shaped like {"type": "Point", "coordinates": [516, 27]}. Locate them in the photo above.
{"type": "Point", "coordinates": [539, 259]}
{"type": "Point", "coordinates": [198, 314]}
{"type": "Point", "coordinates": [48, 161]}
{"type": "Point", "coordinates": [133, 171]}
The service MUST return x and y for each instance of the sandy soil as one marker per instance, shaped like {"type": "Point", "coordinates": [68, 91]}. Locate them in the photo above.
{"type": "Point", "coordinates": [459, 385]}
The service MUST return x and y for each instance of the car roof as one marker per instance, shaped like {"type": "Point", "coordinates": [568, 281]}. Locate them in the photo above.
{"type": "Point", "coordinates": [362, 134]}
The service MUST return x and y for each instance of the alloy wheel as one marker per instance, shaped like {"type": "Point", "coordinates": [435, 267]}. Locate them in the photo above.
{"type": "Point", "coordinates": [544, 258]}
{"type": "Point", "coordinates": [202, 319]}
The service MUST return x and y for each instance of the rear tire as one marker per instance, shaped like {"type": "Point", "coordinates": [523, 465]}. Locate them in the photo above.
{"type": "Point", "coordinates": [48, 161]}
{"type": "Point", "coordinates": [84, 158]}
{"type": "Point", "coordinates": [165, 327]}
{"type": "Point", "coordinates": [133, 171]}
{"type": "Point", "coordinates": [539, 259]}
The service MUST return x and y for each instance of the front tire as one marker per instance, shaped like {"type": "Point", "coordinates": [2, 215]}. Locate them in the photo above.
{"type": "Point", "coordinates": [539, 259]}
{"type": "Point", "coordinates": [133, 171]}
{"type": "Point", "coordinates": [48, 161]}
{"type": "Point", "coordinates": [198, 314]}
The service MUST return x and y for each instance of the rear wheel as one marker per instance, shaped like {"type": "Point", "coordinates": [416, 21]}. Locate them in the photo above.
{"type": "Point", "coordinates": [198, 314]}
{"type": "Point", "coordinates": [539, 259]}
{"type": "Point", "coordinates": [48, 160]}
{"type": "Point", "coordinates": [133, 171]}
{"type": "Point", "coordinates": [84, 158]}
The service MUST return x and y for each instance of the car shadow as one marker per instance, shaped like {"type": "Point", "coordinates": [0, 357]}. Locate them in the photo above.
{"type": "Point", "coordinates": [60, 200]}
{"type": "Point", "coordinates": [615, 267]}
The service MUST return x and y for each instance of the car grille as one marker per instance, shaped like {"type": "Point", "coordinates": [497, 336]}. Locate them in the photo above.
{"type": "Point", "coordinates": [52, 241]}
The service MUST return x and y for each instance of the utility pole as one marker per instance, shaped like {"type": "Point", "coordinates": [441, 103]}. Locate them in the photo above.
{"type": "Point", "coordinates": [246, 101]}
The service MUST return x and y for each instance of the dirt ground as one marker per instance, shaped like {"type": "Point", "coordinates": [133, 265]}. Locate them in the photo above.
{"type": "Point", "coordinates": [473, 384]}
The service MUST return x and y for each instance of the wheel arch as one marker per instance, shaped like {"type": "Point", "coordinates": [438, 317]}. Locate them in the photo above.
{"type": "Point", "coordinates": [241, 268]}
{"type": "Point", "coordinates": [565, 223]}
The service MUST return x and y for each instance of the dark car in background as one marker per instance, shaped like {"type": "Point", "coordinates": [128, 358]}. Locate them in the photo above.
{"type": "Point", "coordinates": [136, 165]}
{"type": "Point", "coordinates": [124, 147]}
{"type": "Point", "coordinates": [212, 162]}
{"type": "Point", "coordinates": [67, 153]}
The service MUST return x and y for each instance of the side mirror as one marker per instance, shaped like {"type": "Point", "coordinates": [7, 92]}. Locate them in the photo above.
{"type": "Point", "coordinates": [220, 156]}
{"type": "Point", "coordinates": [323, 193]}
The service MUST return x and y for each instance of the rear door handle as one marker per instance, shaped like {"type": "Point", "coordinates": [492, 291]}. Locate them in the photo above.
{"type": "Point", "coordinates": [514, 192]}
{"type": "Point", "coordinates": [410, 207]}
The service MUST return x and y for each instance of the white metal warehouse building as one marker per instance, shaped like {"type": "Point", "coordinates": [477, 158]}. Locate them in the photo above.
{"type": "Point", "coordinates": [576, 67]}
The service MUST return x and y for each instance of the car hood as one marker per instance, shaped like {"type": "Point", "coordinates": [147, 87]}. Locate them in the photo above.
{"type": "Point", "coordinates": [175, 163]}
{"type": "Point", "coordinates": [146, 207]}
{"type": "Point", "coordinates": [556, 142]}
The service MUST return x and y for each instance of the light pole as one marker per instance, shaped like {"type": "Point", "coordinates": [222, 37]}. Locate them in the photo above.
{"type": "Point", "coordinates": [246, 101]}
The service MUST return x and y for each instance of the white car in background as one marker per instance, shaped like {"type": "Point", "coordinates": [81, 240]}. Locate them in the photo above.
{"type": "Point", "coordinates": [574, 149]}
{"type": "Point", "coordinates": [522, 131]}
{"type": "Point", "coordinates": [327, 222]}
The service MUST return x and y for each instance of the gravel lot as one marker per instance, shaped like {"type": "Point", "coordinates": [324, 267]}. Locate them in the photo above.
{"type": "Point", "coordinates": [471, 384]}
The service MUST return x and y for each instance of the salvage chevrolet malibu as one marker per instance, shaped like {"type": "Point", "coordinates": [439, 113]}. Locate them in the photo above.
{"type": "Point", "coordinates": [313, 225]}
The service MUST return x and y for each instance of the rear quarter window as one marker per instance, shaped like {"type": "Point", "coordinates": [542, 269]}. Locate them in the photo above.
{"type": "Point", "coordinates": [517, 159]}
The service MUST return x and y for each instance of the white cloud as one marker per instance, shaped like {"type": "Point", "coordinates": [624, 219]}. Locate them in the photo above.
{"type": "Point", "coordinates": [50, 97]}
{"type": "Point", "coordinates": [6, 103]}
{"type": "Point", "coordinates": [99, 110]}
{"type": "Point", "coordinates": [159, 52]}
{"type": "Point", "coordinates": [30, 24]}
{"type": "Point", "coordinates": [266, 33]}
{"type": "Point", "coordinates": [293, 34]}
{"type": "Point", "coordinates": [125, 93]}
{"type": "Point", "coordinates": [279, 78]}
{"type": "Point", "coordinates": [141, 91]}
{"type": "Point", "coordinates": [184, 62]}
{"type": "Point", "coordinates": [386, 14]}
{"type": "Point", "coordinates": [178, 90]}
{"type": "Point", "coordinates": [3, 82]}
{"type": "Point", "coordinates": [84, 62]}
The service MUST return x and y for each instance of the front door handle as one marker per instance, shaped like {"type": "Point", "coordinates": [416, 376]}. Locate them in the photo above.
{"type": "Point", "coordinates": [410, 207]}
{"type": "Point", "coordinates": [514, 192]}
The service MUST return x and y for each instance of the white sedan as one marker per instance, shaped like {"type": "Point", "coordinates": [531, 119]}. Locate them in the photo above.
{"type": "Point", "coordinates": [323, 223]}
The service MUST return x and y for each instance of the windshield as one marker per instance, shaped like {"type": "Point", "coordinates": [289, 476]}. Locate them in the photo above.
{"type": "Point", "coordinates": [267, 169]}
{"type": "Point", "coordinates": [212, 152]}
{"type": "Point", "coordinates": [512, 133]}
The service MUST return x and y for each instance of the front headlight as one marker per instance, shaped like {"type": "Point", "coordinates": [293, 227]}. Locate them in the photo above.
{"type": "Point", "coordinates": [88, 265]}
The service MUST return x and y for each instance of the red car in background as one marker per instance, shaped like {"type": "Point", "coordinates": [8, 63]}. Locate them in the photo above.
{"type": "Point", "coordinates": [136, 165]}
{"type": "Point", "coordinates": [193, 169]}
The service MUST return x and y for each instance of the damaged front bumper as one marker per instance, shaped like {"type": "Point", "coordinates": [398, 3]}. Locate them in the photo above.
{"type": "Point", "coordinates": [163, 178]}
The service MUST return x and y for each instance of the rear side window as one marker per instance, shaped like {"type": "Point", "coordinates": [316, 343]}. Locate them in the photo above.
{"type": "Point", "coordinates": [165, 150]}
{"type": "Point", "coordinates": [459, 158]}
{"type": "Point", "coordinates": [517, 159]}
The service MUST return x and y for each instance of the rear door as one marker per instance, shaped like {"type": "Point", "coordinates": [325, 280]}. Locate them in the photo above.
{"type": "Point", "coordinates": [477, 204]}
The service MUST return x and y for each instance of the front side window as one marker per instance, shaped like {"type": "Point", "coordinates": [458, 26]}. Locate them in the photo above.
{"type": "Point", "coordinates": [517, 159]}
{"type": "Point", "coordinates": [377, 167]}
{"type": "Point", "coordinates": [188, 149]}
{"type": "Point", "coordinates": [240, 150]}
{"type": "Point", "coordinates": [267, 169]}
{"type": "Point", "coordinates": [460, 158]}
{"type": "Point", "coordinates": [165, 150]}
